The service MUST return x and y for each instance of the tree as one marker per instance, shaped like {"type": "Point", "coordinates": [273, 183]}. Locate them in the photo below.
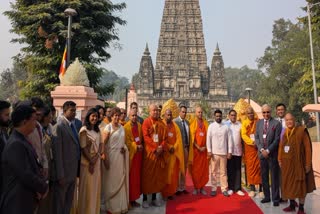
{"type": "Point", "coordinates": [118, 83]}
{"type": "Point", "coordinates": [11, 81]}
{"type": "Point", "coordinates": [239, 79]}
{"type": "Point", "coordinates": [42, 28]}
{"type": "Point", "coordinates": [285, 63]}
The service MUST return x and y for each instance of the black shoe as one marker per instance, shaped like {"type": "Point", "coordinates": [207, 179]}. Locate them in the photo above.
{"type": "Point", "coordinates": [283, 201]}
{"type": "Point", "coordinates": [225, 193]}
{"type": "Point", "coordinates": [265, 200]}
{"type": "Point", "coordinates": [213, 193]}
{"type": "Point", "coordinates": [170, 198]}
{"type": "Point", "coordinates": [276, 204]}
{"type": "Point", "coordinates": [185, 192]}
{"type": "Point", "coordinates": [178, 192]}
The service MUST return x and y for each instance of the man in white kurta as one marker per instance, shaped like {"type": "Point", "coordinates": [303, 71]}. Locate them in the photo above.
{"type": "Point", "coordinates": [219, 145]}
{"type": "Point", "coordinates": [234, 164]}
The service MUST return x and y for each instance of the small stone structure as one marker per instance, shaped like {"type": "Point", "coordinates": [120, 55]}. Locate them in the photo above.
{"type": "Point", "coordinates": [75, 87]}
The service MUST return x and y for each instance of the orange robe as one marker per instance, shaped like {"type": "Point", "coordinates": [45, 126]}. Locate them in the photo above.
{"type": "Point", "coordinates": [198, 160]}
{"type": "Point", "coordinates": [250, 156]}
{"type": "Point", "coordinates": [133, 134]}
{"type": "Point", "coordinates": [154, 168]}
{"type": "Point", "coordinates": [175, 161]}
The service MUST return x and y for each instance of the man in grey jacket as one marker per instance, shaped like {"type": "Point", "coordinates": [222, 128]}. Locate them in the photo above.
{"type": "Point", "coordinates": [267, 139]}
{"type": "Point", "coordinates": [183, 125]}
{"type": "Point", "coordinates": [66, 152]}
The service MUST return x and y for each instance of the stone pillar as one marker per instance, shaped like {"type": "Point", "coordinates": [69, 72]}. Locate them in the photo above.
{"type": "Point", "coordinates": [83, 96]}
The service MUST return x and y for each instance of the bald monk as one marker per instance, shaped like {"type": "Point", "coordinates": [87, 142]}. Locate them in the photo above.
{"type": "Point", "coordinates": [295, 160]}
{"type": "Point", "coordinates": [198, 153]}
{"type": "Point", "coordinates": [176, 156]}
{"type": "Point", "coordinates": [251, 159]}
{"type": "Point", "coordinates": [133, 132]}
{"type": "Point", "coordinates": [154, 167]}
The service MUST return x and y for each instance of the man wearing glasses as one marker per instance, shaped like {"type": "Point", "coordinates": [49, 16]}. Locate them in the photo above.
{"type": "Point", "coordinates": [123, 115]}
{"type": "Point", "coordinates": [267, 139]}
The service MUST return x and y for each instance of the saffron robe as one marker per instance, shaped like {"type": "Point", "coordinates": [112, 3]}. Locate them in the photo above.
{"type": "Point", "coordinates": [250, 156]}
{"type": "Point", "coordinates": [134, 138]}
{"type": "Point", "coordinates": [295, 153]}
{"type": "Point", "coordinates": [176, 159]}
{"type": "Point", "coordinates": [198, 161]}
{"type": "Point", "coordinates": [154, 168]}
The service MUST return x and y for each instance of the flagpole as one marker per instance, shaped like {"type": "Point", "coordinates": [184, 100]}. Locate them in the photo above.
{"type": "Point", "coordinates": [69, 12]}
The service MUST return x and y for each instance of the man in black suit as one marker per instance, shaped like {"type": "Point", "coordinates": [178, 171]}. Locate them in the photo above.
{"type": "Point", "coordinates": [4, 123]}
{"type": "Point", "coordinates": [267, 139]}
{"type": "Point", "coordinates": [183, 125]}
{"type": "Point", "coordinates": [23, 184]}
{"type": "Point", "coordinates": [66, 155]}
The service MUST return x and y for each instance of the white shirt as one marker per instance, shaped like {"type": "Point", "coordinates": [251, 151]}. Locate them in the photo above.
{"type": "Point", "coordinates": [219, 140]}
{"type": "Point", "coordinates": [235, 129]}
{"type": "Point", "coordinates": [282, 121]}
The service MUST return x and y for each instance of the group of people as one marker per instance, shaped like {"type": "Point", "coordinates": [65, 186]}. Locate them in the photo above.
{"type": "Point", "coordinates": [118, 158]}
{"type": "Point", "coordinates": [281, 148]}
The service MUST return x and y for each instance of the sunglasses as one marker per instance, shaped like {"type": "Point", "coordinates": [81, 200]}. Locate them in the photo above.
{"type": "Point", "coordinates": [265, 112]}
{"type": "Point", "coordinates": [123, 113]}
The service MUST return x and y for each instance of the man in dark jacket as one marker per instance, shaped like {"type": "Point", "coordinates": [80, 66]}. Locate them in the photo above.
{"type": "Point", "coordinates": [4, 123]}
{"type": "Point", "coordinates": [23, 184]}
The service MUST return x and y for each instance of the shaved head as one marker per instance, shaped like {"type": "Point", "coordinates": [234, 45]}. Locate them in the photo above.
{"type": "Point", "coordinates": [199, 112]}
{"type": "Point", "coordinates": [133, 115]}
{"type": "Point", "coordinates": [168, 115]}
{"type": "Point", "coordinates": [250, 113]}
{"type": "Point", "coordinates": [154, 111]}
{"type": "Point", "coordinates": [290, 120]}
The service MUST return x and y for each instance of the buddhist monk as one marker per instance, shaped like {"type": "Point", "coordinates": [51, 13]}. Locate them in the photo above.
{"type": "Point", "coordinates": [133, 132]}
{"type": "Point", "coordinates": [251, 159]}
{"type": "Point", "coordinates": [154, 167]}
{"type": "Point", "coordinates": [295, 160]}
{"type": "Point", "coordinates": [198, 153]}
{"type": "Point", "coordinates": [176, 155]}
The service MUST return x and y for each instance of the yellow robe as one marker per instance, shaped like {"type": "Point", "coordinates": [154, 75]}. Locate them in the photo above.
{"type": "Point", "coordinates": [175, 160]}
{"type": "Point", "coordinates": [130, 141]}
{"type": "Point", "coordinates": [193, 129]}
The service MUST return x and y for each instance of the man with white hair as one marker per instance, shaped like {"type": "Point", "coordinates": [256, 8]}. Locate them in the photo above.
{"type": "Point", "coordinates": [267, 139]}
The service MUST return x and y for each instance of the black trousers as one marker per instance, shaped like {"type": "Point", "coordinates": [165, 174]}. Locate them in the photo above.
{"type": "Point", "coordinates": [234, 173]}
{"type": "Point", "coordinates": [271, 164]}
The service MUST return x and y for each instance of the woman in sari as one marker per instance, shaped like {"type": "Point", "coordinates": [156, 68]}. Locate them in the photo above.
{"type": "Point", "coordinates": [115, 173]}
{"type": "Point", "coordinates": [90, 171]}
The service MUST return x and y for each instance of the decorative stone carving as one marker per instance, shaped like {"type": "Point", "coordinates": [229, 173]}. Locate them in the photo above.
{"type": "Point", "coordinates": [75, 75]}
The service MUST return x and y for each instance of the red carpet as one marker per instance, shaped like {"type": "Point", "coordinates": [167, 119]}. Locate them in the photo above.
{"type": "Point", "coordinates": [188, 203]}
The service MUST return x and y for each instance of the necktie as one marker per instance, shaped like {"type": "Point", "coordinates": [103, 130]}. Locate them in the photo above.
{"type": "Point", "coordinates": [39, 132]}
{"type": "Point", "coordinates": [75, 134]}
{"type": "Point", "coordinates": [265, 129]}
{"type": "Point", "coordinates": [185, 134]}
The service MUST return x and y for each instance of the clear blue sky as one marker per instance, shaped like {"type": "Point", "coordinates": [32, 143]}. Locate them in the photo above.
{"type": "Point", "coordinates": [243, 29]}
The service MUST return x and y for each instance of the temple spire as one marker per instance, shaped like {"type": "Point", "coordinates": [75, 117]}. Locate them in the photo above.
{"type": "Point", "coordinates": [146, 50]}
{"type": "Point", "coordinates": [217, 50]}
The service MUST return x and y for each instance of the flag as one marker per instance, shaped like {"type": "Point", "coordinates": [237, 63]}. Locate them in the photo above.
{"type": "Point", "coordinates": [63, 65]}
